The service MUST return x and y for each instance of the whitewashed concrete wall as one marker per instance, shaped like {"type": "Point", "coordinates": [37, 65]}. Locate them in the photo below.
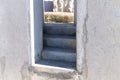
{"type": "Point", "coordinates": [14, 39]}
{"type": "Point", "coordinates": [102, 46]}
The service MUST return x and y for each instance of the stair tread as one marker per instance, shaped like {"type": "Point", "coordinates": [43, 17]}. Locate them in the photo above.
{"type": "Point", "coordinates": [64, 42]}
{"type": "Point", "coordinates": [59, 49]}
{"type": "Point", "coordinates": [64, 64]}
{"type": "Point", "coordinates": [59, 36]}
{"type": "Point", "coordinates": [60, 29]}
{"type": "Point", "coordinates": [59, 25]}
{"type": "Point", "coordinates": [59, 54]}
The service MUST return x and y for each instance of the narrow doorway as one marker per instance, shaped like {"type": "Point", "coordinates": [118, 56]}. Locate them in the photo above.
{"type": "Point", "coordinates": [59, 34]}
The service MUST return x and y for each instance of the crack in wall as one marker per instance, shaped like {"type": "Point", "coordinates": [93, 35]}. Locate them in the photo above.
{"type": "Point", "coordinates": [85, 40]}
{"type": "Point", "coordinates": [85, 68]}
{"type": "Point", "coordinates": [82, 37]}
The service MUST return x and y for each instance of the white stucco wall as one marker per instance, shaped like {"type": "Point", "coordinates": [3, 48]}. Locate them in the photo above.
{"type": "Point", "coordinates": [14, 39]}
{"type": "Point", "coordinates": [102, 47]}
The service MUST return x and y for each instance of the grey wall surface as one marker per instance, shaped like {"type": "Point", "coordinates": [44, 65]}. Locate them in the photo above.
{"type": "Point", "coordinates": [102, 46]}
{"type": "Point", "coordinates": [14, 39]}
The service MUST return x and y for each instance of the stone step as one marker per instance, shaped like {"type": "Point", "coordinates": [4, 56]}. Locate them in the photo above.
{"type": "Point", "coordinates": [64, 42]}
{"type": "Point", "coordinates": [59, 54]}
{"type": "Point", "coordinates": [60, 29]}
{"type": "Point", "coordinates": [70, 65]}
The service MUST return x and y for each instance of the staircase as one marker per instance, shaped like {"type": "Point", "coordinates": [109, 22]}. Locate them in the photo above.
{"type": "Point", "coordinates": [59, 45]}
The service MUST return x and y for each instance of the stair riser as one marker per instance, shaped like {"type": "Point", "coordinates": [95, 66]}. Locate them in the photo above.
{"type": "Point", "coordinates": [61, 30]}
{"type": "Point", "coordinates": [60, 43]}
{"type": "Point", "coordinates": [59, 56]}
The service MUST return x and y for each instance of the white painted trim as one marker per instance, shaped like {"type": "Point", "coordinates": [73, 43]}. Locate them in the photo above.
{"type": "Point", "coordinates": [32, 32]}
{"type": "Point", "coordinates": [36, 29]}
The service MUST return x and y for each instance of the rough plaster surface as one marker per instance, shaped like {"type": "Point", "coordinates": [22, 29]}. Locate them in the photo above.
{"type": "Point", "coordinates": [52, 74]}
{"type": "Point", "coordinates": [14, 47]}
{"type": "Point", "coordinates": [102, 46]}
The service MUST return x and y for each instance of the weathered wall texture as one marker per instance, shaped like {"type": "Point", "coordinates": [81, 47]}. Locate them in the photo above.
{"type": "Point", "coordinates": [102, 47]}
{"type": "Point", "coordinates": [14, 39]}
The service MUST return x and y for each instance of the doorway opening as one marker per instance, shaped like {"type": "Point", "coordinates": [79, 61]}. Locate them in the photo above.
{"type": "Point", "coordinates": [59, 34]}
